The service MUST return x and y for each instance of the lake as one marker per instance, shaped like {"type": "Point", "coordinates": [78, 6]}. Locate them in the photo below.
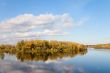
{"type": "Point", "coordinates": [90, 61]}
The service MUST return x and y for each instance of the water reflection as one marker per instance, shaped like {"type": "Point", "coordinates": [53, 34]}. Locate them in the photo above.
{"type": "Point", "coordinates": [21, 67]}
{"type": "Point", "coordinates": [95, 61]}
{"type": "Point", "coordinates": [1, 56]}
{"type": "Point", "coordinates": [7, 66]}
{"type": "Point", "coordinates": [43, 56]}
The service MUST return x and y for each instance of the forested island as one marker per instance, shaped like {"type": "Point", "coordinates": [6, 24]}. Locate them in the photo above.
{"type": "Point", "coordinates": [41, 45]}
{"type": "Point", "coordinates": [43, 49]}
{"type": "Point", "coordinates": [46, 49]}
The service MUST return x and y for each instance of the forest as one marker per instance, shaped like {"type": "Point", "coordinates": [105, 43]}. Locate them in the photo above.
{"type": "Point", "coordinates": [42, 49]}
{"type": "Point", "coordinates": [41, 45]}
{"type": "Point", "coordinates": [46, 49]}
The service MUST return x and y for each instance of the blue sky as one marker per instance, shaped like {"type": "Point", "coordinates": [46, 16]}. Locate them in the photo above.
{"type": "Point", "coordinates": [88, 20]}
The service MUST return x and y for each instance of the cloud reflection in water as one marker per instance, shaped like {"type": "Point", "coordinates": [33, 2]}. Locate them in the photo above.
{"type": "Point", "coordinates": [21, 67]}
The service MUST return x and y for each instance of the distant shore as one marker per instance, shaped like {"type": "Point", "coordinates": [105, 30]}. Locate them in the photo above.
{"type": "Point", "coordinates": [99, 46]}
{"type": "Point", "coordinates": [41, 45]}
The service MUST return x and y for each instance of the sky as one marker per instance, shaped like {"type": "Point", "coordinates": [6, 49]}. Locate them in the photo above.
{"type": "Point", "coordinates": [83, 21]}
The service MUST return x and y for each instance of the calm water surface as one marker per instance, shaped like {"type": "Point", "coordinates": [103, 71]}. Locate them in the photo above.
{"type": "Point", "coordinates": [93, 61]}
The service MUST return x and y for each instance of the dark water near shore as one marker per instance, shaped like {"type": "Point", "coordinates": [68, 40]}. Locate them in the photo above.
{"type": "Point", "coordinates": [91, 61]}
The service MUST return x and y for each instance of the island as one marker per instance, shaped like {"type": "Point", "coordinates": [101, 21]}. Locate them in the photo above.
{"type": "Point", "coordinates": [42, 49]}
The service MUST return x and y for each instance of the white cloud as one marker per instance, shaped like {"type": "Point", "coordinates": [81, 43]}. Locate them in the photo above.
{"type": "Point", "coordinates": [29, 25]}
{"type": "Point", "coordinates": [27, 22]}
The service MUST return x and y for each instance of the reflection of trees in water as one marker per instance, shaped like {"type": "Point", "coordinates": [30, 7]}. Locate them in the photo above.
{"type": "Point", "coordinates": [44, 55]}
{"type": "Point", "coordinates": [1, 56]}
{"type": "Point", "coordinates": [43, 49]}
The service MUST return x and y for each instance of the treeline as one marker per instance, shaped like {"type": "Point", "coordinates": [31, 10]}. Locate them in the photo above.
{"type": "Point", "coordinates": [7, 48]}
{"type": "Point", "coordinates": [41, 45]}
{"type": "Point", "coordinates": [44, 56]}
{"type": "Point", "coordinates": [42, 49]}
{"type": "Point", "coordinates": [44, 45]}
{"type": "Point", "coordinates": [102, 46]}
